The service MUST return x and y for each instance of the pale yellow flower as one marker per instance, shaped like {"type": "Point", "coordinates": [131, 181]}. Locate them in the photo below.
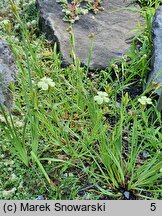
{"type": "Point", "coordinates": [144, 100]}
{"type": "Point", "coordinates": [101, 97]}
{"type": "Point", "coordinates": [45, 82]}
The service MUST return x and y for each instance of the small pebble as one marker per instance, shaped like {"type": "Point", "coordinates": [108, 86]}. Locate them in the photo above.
{"type": "Point", "coordinates": [127, 194]}
{"type": "Point", "coordinates": [145, 154]}
{"type": "Point", "coordinates": [40, 197]}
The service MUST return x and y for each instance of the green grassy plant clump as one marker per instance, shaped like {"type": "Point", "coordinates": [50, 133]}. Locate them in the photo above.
{"type": "Point", "coordinates": [73, 9]}
{"type": "Point", "coordinates": [147, 3]}
{"type": "Point", "coordinates": [77, 134]}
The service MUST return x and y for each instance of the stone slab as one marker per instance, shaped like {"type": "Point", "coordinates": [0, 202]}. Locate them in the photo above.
{"type": "Point", "coordinates": [7, 74]}
{"type": "Point", "coordinates": [112, 29]}
{"type": "Point", "coordinates": [156, 73]}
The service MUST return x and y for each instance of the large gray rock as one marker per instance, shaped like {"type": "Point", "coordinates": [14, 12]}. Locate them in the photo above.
{"type": "Point", "coordinates": [156, 73]}
{"type": "Point", "coordinates": [112, 29]}
{"type": "Point", "coordinates": [7, 74]}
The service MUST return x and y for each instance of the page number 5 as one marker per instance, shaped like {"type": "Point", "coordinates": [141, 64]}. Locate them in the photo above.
{"type": "Point", "coordinates": [153, 207]}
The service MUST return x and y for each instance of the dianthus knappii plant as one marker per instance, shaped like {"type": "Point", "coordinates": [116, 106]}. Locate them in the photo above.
{"type": "Point", "coordinates": [74, 8]}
